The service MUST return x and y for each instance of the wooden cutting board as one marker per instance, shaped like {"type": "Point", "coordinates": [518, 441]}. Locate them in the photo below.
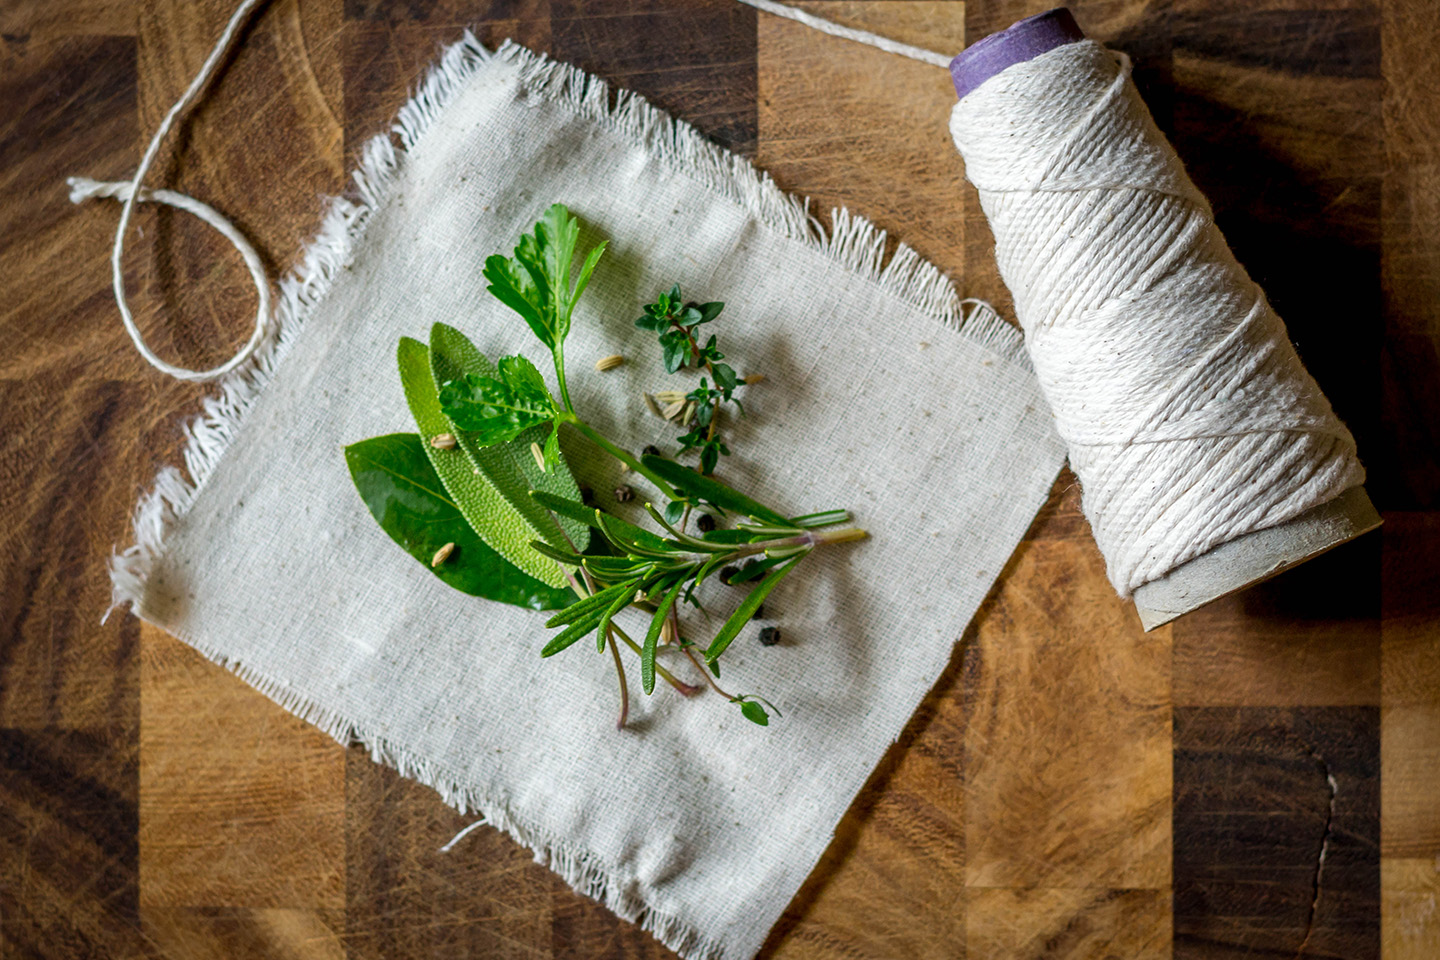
{"type": "Point", "coordinates": [1071, 788]}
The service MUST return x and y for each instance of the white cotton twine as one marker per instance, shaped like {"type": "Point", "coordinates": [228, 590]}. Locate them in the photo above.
{"type": "Point", "coordinates": [1189, 418]}
{"type": "Point", "coordinates": [129, 193]}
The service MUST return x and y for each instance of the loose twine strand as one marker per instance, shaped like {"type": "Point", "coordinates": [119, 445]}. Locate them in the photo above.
{"type": "Point", "coordinates": [83, 188]}
{"type": "Point", "coordinates": [1189, 418]}
{"type": "Point", "coordinates": [132, 192]}
{"type": "Point", "coordinates": [850, 33]}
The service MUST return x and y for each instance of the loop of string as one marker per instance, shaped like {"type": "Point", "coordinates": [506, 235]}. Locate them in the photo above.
{"type": "Point", "coordinates": [82, 188]}
{"type": "Point", "coordinates": [132, 192]}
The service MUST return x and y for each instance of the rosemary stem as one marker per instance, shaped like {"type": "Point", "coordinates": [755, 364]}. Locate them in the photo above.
{"type": "Point", "coordinates": [624, 687]}
{"type": "Point", "coordinates": [681, 687]}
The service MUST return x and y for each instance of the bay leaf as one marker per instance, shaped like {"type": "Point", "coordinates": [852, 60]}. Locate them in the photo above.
{"type": "Point", "coordinates": [406, 497]}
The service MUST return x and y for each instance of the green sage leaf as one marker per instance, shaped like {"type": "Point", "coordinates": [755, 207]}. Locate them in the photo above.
{"type": "Point", "coordinates": [509, 467]}
{"type": "Point", "coordinates": [490, 514]}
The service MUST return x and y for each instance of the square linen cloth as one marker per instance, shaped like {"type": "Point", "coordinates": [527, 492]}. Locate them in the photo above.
{"type": "Point", "coordinates": [692, 822]}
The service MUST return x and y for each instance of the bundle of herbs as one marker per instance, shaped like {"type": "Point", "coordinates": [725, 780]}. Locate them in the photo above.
{"type": "Point", "coordinates": [483, 495]}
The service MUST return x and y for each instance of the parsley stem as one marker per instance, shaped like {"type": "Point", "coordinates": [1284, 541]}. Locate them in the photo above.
{"type": "Point", "coordinates": [628, 459]}
{"type": "Point", "coordinates": [558, 355]}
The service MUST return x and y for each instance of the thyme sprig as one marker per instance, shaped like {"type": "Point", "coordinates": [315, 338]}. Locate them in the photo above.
{"type": "Point", "coordinates": [677, 324]}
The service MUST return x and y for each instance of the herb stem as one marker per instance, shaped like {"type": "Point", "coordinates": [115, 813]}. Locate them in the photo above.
{"type": "Point", "coordinates": [708, 679]}
{"type": "Point", "coordinates": [624, 687]}
{"type": "Point", "coordinates": [709, 368]}
{"type": "Point", "coordinates": [808, 539]}
{"type": "Point", "coordinates": [559, 356]}
{"type": "Point", "coordinates": [681, 687]}
{"type": "Point", "coordinates": [628, 459]}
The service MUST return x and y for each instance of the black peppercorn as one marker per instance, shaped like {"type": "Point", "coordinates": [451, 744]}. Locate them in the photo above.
{"type": "Point", "coordinates": [587, 496]}
{"type": "Point", "coordinates": [727, 572]}
{"type": "Point", "coordinates": [651, 451]}
{"type": "Point", "coordinates": [769, 636]}
{"type": "Point", "coordinates": [759, 613]}
{"type": "Point", "coordinates": [706, 523]}
{"type": "Point", "coordinates": [624, 494]}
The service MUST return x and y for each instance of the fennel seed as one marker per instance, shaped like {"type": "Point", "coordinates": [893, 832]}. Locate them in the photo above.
{"type": "Point", "coordinates": [443, 441]}
{"type": "Point", "coordinates": [609, 363]}
{"type": "Point", "coordinates": [538, 454]}
{"type": "Point", "coordinates": [442, 555]}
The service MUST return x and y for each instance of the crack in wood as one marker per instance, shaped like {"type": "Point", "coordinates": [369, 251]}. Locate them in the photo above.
{"type": "Point", "coordinates": [1324, 848]}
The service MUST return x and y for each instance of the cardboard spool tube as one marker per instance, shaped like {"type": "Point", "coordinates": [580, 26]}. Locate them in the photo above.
{"type": "Point", "coordinates": [1246, 560]}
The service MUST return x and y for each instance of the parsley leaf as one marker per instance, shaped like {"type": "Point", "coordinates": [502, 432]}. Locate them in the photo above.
{"type": "Point", "coordinates": [499, 409]}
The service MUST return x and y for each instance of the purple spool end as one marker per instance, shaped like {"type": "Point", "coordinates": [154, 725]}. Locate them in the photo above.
{"type": "Point", "coordinates": [1021, 41]}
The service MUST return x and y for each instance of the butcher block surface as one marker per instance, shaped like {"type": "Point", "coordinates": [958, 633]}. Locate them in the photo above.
{"type": "Point", "coordinates": [1258, 779]}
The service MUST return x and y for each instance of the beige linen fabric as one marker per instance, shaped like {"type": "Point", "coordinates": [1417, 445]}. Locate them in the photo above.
{"type": "Point", "coordinates": [692, 821]}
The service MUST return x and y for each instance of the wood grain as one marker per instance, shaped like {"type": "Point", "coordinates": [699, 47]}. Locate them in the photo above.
{"type": "Point", "coordinates": [1276, 832]}
{"type": "Point", "coordinates": [827, 137]}
{"type": "Point", "coordinates": [1071, 788]}
{"type": "Point", "coordinates": [260, 823]}
{"type": "Point", "coordinates": [1070, 848]}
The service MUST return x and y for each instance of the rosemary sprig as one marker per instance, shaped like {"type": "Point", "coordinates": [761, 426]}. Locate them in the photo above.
{"type": "Point", "coordinates": [647, 565]}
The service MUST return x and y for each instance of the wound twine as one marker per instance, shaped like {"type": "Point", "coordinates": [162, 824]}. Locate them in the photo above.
{"type": "Point", "coordinates": [1190, 420]}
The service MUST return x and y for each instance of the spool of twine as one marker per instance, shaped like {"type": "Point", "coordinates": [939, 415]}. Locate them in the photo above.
{"type": "Point", "coordinates": [1208, 457]}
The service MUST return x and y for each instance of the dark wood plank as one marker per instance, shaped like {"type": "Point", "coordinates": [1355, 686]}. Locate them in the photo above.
{"type": "Point", "coordinates": [695, 60]}
{"type": "Point", "coordinates": [69, 853]}
{"type": "Point", "coordinates": [388, 47]}
{"type": "Point", "coordinates": [68, 451]}
{"type": "Point", "coordinates": [1309, 638]}
{"type": "Point", "coordinates": [1410, 250]}
{"type": "Point", "coordinates": [1277, 832]}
